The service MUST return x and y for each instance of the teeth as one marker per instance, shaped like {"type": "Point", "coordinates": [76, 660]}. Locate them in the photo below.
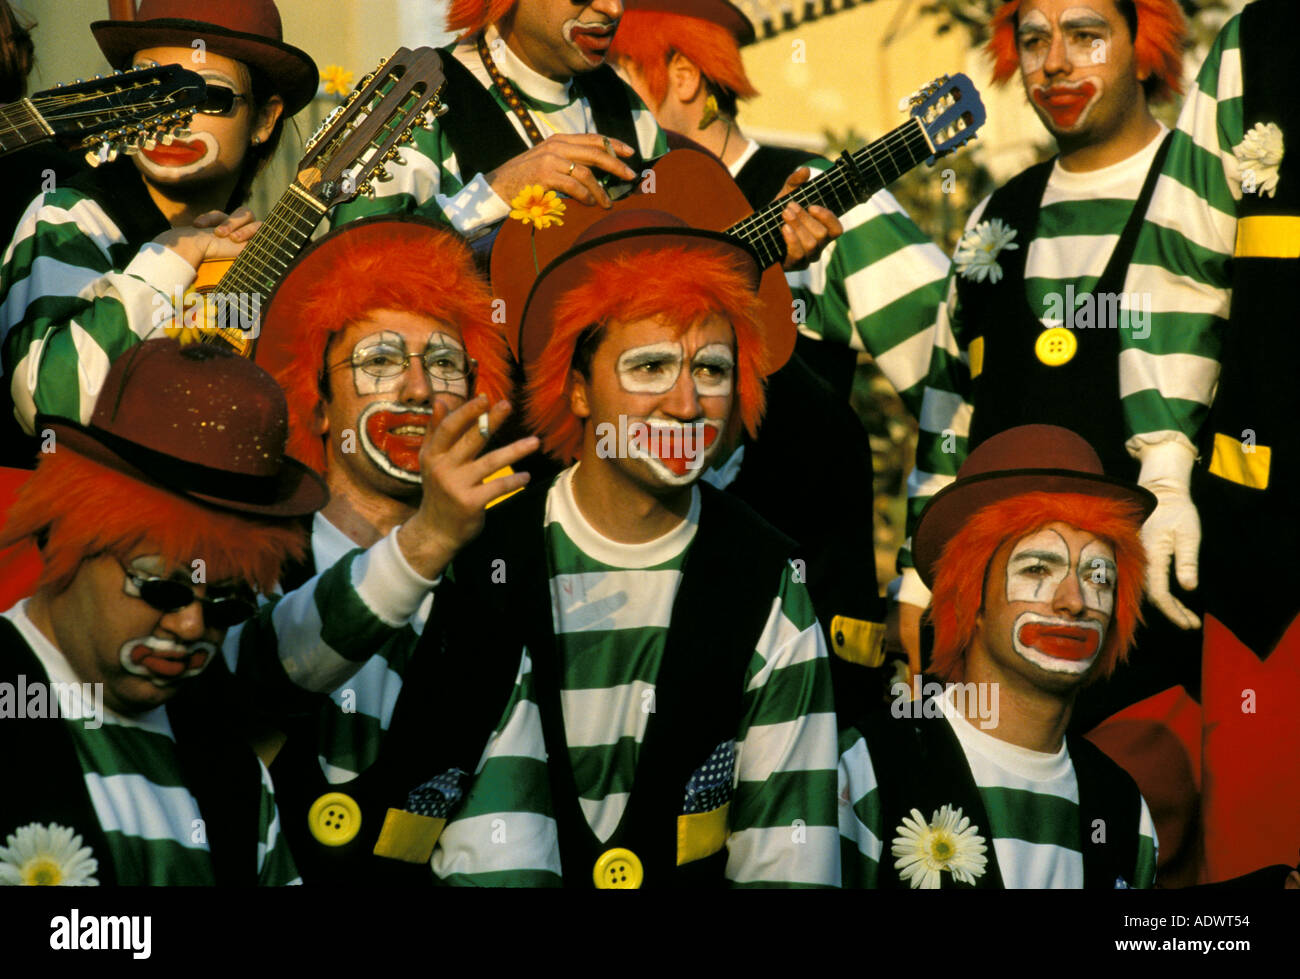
{"type": "Point", "coordinates": [413, 430]}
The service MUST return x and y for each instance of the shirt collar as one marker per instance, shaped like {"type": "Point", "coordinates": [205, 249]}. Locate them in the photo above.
{"type": "Point", "coordinates": [529, 82]}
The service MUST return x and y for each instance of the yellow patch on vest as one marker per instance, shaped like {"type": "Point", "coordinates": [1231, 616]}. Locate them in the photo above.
{"type": "Point", "coordinates": [1232, 462]}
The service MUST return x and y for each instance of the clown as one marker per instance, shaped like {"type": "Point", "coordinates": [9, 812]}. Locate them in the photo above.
{"type": "Point", "coordinates": [538, 108]}
{"type": "Point", "coordinates": [155, 541]}
{"type": "Point", "coordinates": [571, 695]}
{"type": "Point", "coordinates": [1037, 568]}
{"type": "Point", "coordinates": [1029, 332]}
{"type": "Point", "coordinates": [94, 264]}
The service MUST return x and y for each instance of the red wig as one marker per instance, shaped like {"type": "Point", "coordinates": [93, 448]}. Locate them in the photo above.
{"type": "Point", "coordinates": [77, 509]}
{"type": "Point", "coordinates": [962, 569]}
{"type": "Point", "coordinates": [434, 278]}
{"type": "Point", "coordinates": [685, 285]}
{"type": "Point", "coordinates": [1157, 48]}
{"type": "Point", "coordinates": [649, 38]}
{"type": "Point", "coordinates": [471, 16]}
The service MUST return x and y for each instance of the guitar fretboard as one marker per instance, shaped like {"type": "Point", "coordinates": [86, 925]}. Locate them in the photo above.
{"type": "Point", "coordinates": [20, 125]}
{"type": "Point", "coordinates": [264, 261]}
{"type": "Point", "coordinates": [838, 189]}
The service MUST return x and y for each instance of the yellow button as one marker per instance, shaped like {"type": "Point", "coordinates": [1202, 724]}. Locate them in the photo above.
{"type": "Point", "coordinates": [1056, 346]}
{"type": "Point", "coordinates": [334, 819]}
{"type": "Point", "coordinates": [617, 869]}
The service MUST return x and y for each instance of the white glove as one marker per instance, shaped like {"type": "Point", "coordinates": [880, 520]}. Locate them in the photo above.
{"type": "Point", "coordinates": [1173, 531]}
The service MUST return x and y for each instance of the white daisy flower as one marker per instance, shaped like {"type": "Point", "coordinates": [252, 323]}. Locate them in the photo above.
{"type": "Point", "coordinates": [51, 854]}
{"type": "Point", "coordinates": [977, 252]}
{"type": "Point", "coordinates": [948, 842]}
{"type": "Point", "coordinates": [1258, 157]}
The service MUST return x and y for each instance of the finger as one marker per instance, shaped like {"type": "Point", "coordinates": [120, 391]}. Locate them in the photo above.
{"type": "Point", "coordinates": [805, 232]}
{"type": "Point", "coordinates": [570, 186]}
{"type": "Point", "coordinates": [245, 232]}
{"type": "Point", "coordinates": [210, 219]}
{"type": "Point", "coordinates": [1176, 612]}
{"type": "Point", "coordinates": [1186, 546]}
{"type": "Point", "coordinates": [454, 425]}
{"type": "Point", "coordinates": [594, 140]}
{"type": "Point", "coordinates": [591, 187]}
{"type": "Point", "coordinates": [595, 156]}
{"type": "Point", "coordinates": [827, 220]}
{"type": "Point", "coordinates": [470, 442]}
{"type": "Point", "coordinates": [481, 468]}
{"type": "Point", "coordinates": [800, 176]}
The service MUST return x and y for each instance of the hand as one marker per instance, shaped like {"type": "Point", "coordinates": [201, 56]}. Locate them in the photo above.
{"type": "Point", "coordinates": [808, 231]}
{"type": "Point", "coordinates": [214, 235]}
{"type": "Point", "coordinates": [451, 511]}
{"type": "Point", "coordinates": [564, 163]}
{"type": "Point", "coordinates": [903, 632]}
{"type": "Point", "coordinates": [1173, 531]}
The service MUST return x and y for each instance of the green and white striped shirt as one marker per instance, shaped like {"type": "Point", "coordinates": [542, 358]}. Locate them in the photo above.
{"type": "Point", "coordinates": [155, 832]}
{"type": "Point", "coordinates": [612, 605]}
{"type": "Point", "coordinates": [430, 182]}
{"type": "Point", "coordinates": [73, 296]}
{"type": "Point", "coordinates": [1183, 255]}
{"type": "Point", "coordinates": [1032, 801]}
{"type": "Point", "coordinates": [1079, 224]}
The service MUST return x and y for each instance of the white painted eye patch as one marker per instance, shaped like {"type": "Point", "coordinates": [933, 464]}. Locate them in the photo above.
{"type": "Point", "coordinates": [1039, 563]}
{"type": "Point", "coordinates": [655, 368]}
{"type": "Point", "coordinates": [1087, 35]}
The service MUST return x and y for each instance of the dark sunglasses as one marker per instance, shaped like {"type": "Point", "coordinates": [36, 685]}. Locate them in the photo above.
{"type": "Point", "coordinates": [168, 595]}
{"type": "Point", "coordinates": [219, 101]}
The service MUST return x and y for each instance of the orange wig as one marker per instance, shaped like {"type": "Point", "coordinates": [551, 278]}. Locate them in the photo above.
{"type": "Point", "coordinates": [435, 277]}
{"type": "Point", "coordinates": [962, 569]}
{"type": "Point", "coordinates": [1157, 48]}
{"type": "Point", "coordinates": [77, 509]}
{"type": "Point", "coordinates": [683, 284]}
{"type": "Point", "coordinates": [649, 38]}
{"type": "Point", "coordinates": [471, 16]}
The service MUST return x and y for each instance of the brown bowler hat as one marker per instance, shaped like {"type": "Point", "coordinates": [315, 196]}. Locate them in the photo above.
{"type": "Point", "coordinates": [1025, 459]}
{"type": "Point", "coordinates": [200, 422]}
{"type": "Point", "coordinates": [694, 192]}
{"type": "Point", "coordinates": [245, 30]}
{"type": "Point", "coordinates": [720, 12]}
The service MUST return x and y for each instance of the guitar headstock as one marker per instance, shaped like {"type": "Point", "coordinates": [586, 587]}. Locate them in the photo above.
{"type": "Point", "coordinates": [356, 142]}
{"type": "Point", "coordinates": [124, 111]}
{"type": "Point", "coordinates": [950, 111]}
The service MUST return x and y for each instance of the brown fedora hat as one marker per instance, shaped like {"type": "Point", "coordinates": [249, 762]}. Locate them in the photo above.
{"type": "Point", "coordinates": [719, 12]}
{"type": "Point", "coordinates": [689, 211]}
{"type": "Point", "coordinates": [245, 30]}
{"type": "Point", "coordinates": [200, 422]}
{"type": "Point", "coordinates": [1025, 459]}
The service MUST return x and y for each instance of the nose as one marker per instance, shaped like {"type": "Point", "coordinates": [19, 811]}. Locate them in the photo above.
{"type": "Point", "coordinates": [416, 389]}
{"type": "Point", "coordinates": [1058, 61]}
{"type": "Point", "coordinates": [186, 623]}
{"type": "Point", "coordinates": [1068, 599]}
{"type": "Point", "coordinates": [613, 9]}
{"type": "Point", "coordinates": [683, 401]}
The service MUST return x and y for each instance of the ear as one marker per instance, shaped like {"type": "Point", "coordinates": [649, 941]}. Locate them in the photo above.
{"type": "Point", "coordinates": [319, 422]}
{"type": "Point", "coordinates": [685, 82]}
{"type": "Point", "coordinates": [267, 118]}
{"type": "Point", "coordinates": [578, 402]}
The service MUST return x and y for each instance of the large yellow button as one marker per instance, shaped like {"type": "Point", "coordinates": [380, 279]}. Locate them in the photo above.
{"type": "Point", "coordinates": [617, 869]}
{"type": "Point", "coordinates": [334, 819]}
{"type": "Point", "coordinates": [1056, 346]}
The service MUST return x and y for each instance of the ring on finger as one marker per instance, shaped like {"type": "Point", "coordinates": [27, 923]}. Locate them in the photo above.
{"type": "Point", "coordinates": [572, 166]}
{"type": "Point", "coordinates": [605, 140]}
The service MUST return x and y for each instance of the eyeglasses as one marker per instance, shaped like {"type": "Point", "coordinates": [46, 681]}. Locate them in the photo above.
{"type": "Point", "coordinates": [219, 101]}
{"type": "Point", "coordinates": [441, 363]}
{"type": "Point", "coordinates": [220, 611]}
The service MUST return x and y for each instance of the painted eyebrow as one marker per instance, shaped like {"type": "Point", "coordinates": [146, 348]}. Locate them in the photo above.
{"type": "Point", "coordinates": [1026, 30]}
{"type": "Point", "coordinates": [1048, 556]}
{"type": "Point", "coordinates": [1075, 21]}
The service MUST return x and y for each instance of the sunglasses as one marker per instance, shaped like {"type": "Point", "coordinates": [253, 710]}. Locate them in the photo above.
{"type": "Point", "coordinates": [219, 101]}
{"type": "Point", "coordinates": [220, 611]}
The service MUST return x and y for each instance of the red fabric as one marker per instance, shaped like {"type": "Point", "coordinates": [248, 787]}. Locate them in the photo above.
{"type": "Point", "coordinates": [1251, 780]}
{"type": "Point", "coordinates": [1158, 742]}
{"type": "Point", "coordinates": [20, 564]}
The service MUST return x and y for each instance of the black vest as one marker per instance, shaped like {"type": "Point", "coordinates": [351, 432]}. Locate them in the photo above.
{"type": "Point", "coordinates": [920, 764]}
{"type": "Point", "coordinates": [45, 783]}
{"type": "Point", "coordinates": [1251, 531]}
{"type": "Point", "coordinates": [462, 676]}
{"type": "Point", "coordinates": [1015, 387]}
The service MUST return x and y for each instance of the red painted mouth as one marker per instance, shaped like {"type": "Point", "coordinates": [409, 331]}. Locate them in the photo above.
{"type": "Point", "coordinates": [1062, 642]}
{"type": "Point", "coordinates": [168, 666]}
{"type": "Point", "coordinates": [401, 447]}
{"type": "Point", "coordinates": [594, 42]}
{"type": "Point", "coordinates": [177, 154]}
{"type": "Point", "coordinates": [680, 449]}
{"type": "Point", "coordinates": [1065, 103]}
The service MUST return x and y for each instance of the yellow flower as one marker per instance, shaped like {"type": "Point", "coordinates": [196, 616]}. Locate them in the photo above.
{"type": "Point", "coordinates": [337, 79]}
{"type": "Point", "coordinates": [533, 206]}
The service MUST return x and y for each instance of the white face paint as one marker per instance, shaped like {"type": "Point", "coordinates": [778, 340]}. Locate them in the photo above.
{"type": "Point", "coordinates": [1085, 32]}
{"type": "Point", "coordinates": [1097, 577]}
{"type": "Point", "coordinates": [163, 662]}
{"type": "Point", "coordinates": [676, 451]}
{"type": "Point", "coordinates": [1058, 645]}
{"type": "Point", "coordinates": [656, 367]}
{"type": "Point", "coordinates": [445, 364]}
{"type": "Point", "coordinates": [391, 436]}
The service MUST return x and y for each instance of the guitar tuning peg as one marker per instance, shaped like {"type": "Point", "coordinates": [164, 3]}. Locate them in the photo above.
{"type": "Point", "coordinates": [167, 138]}
{"type": "Point", "coordinates": [181, 133]}
{"type": "Point", "coordinates": [382, 174]}
{"type": "Point", "coordinates": [441, 110]}
{"type": "Point", "coordinates": [118, 71]}
{"type": "Point", "coordinates": [368, 189]}
{"type": "Point", "coordinates": [149, 142]}
{"type": "Point", "coordinates": [407, 136]}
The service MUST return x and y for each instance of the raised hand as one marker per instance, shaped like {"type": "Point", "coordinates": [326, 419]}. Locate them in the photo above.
{"type": "Point", "coordinates": [566, 164]}
{"type": "Point", "coordinates": [452, 471]}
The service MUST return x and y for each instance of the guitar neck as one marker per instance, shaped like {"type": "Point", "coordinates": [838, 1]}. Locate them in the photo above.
{"type": "Point", "coordinates": [21, 125]}
{"type": "Point", "coordinates": [844, 186]}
